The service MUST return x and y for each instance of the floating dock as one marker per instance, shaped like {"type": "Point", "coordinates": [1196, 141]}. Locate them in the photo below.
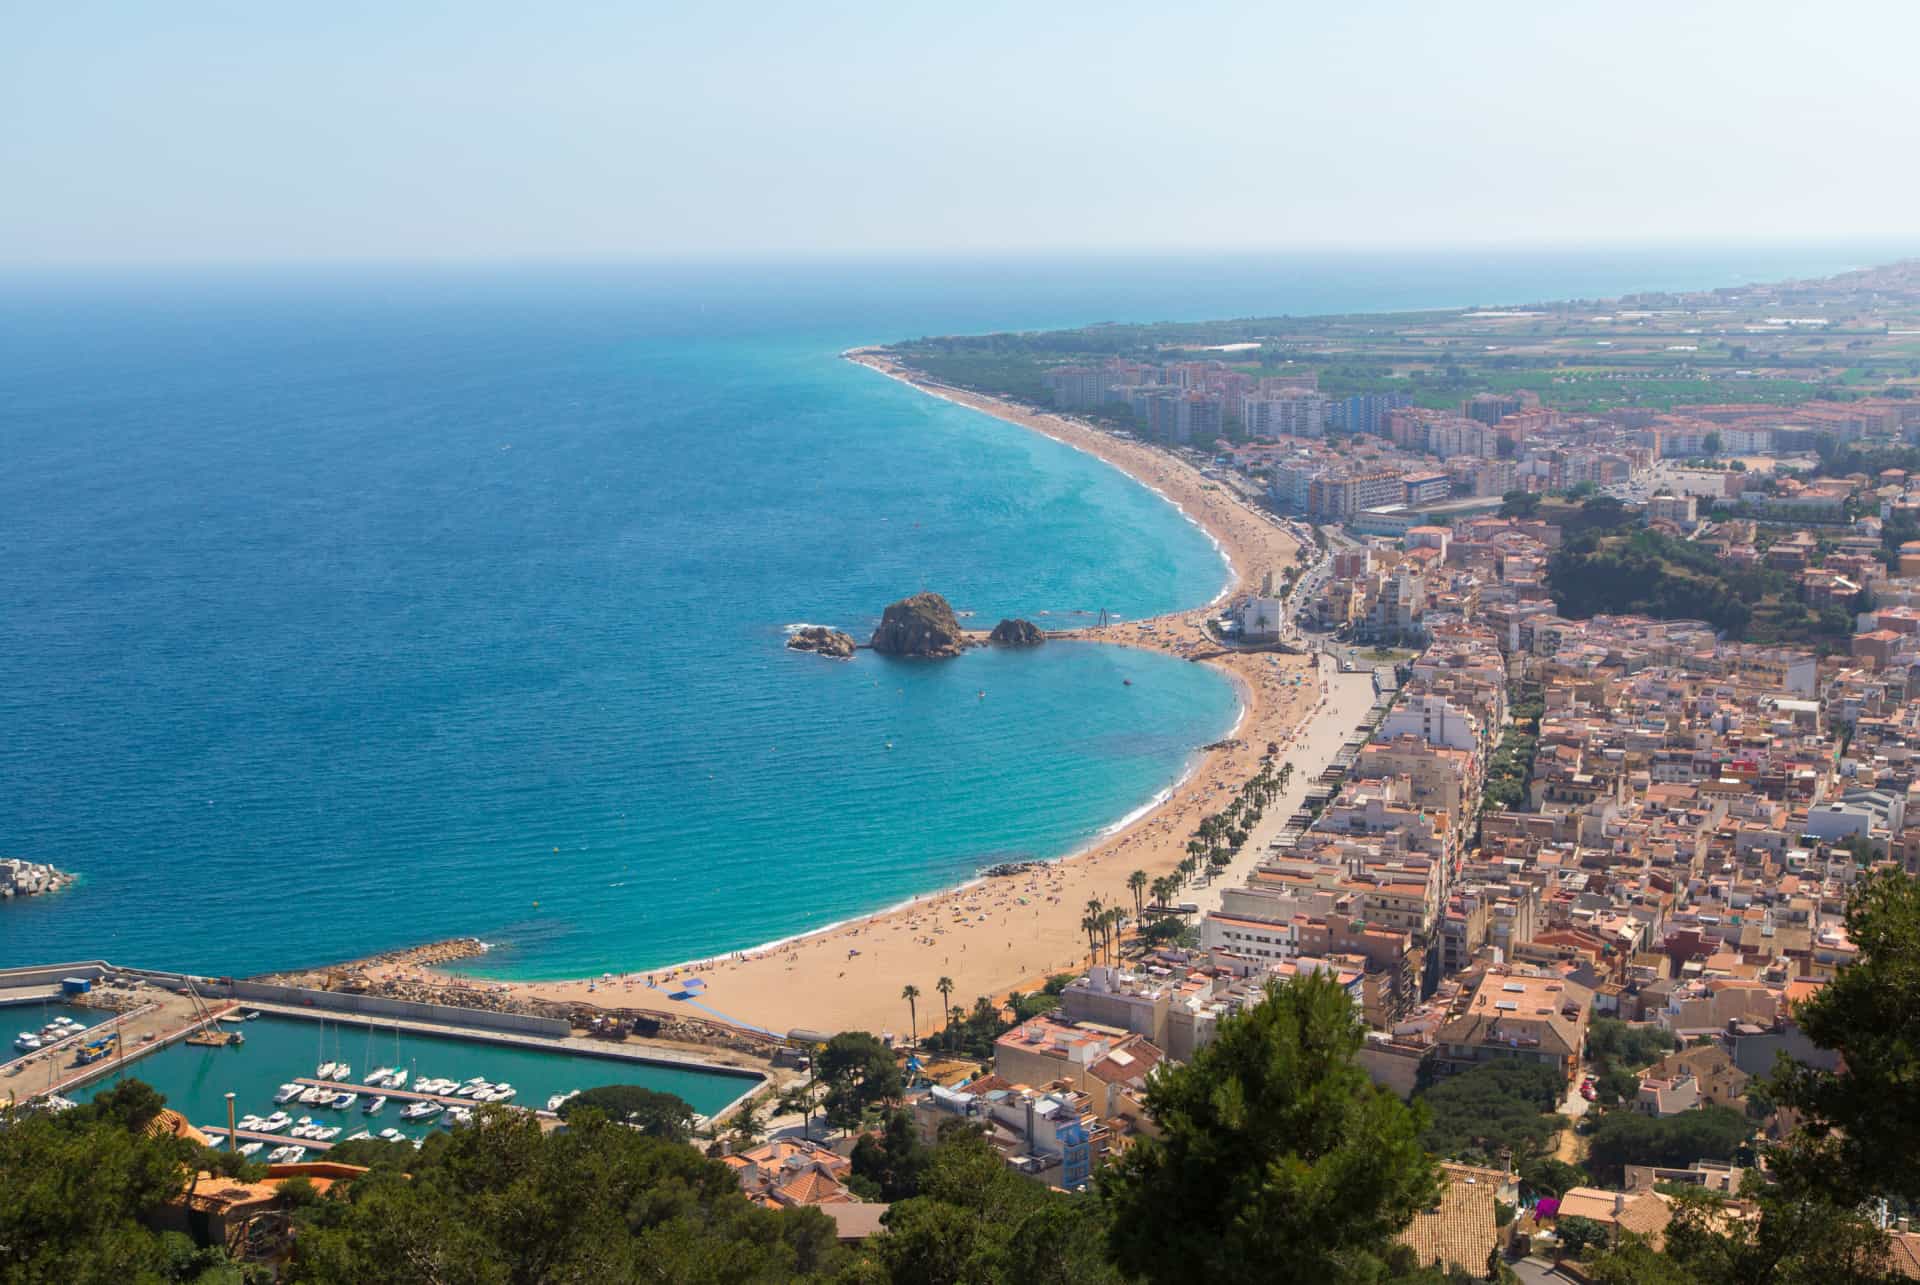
{"type": "Point", "coordinates": [218, 1133]}
{"type": "Point", "coordinates": [401, 1095]}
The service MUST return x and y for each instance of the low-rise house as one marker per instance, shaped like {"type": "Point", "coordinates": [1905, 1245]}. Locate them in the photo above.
{"type": "Point", "coordinates": [792, 1172]}
{"type": "Point", "coordinates": [1516, 1017]}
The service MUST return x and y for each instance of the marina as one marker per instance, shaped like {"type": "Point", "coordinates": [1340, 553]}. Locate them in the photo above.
{"type": "Point", "coordinates": [276, 1072]}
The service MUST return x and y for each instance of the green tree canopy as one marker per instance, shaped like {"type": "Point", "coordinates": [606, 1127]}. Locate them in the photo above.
{"type": "Point", "coordinates": [859, 1072]}
{"type": "Point", "coordinates": [1861, 1121]}
{"type": "Point", "coordinates": [502, 1202]}
{"type": "Point", "coordinates": [1275, 1148]}
{"type": "Point", "coordinates": [1506, 1106]}
{"type": "Point", "coordinates": [664, 1115]}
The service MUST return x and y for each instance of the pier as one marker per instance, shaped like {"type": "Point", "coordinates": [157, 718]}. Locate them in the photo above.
{"type": "Point", "coordinates": [403, 1095]}
{"type": "Point", "coordinates": [218, 1134]}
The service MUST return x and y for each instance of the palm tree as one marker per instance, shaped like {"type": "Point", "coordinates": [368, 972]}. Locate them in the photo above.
{"type": "Point", "coordinates": [911, 993]}
{"type": "Point", "coordinates": [945, 987]}
{"type": "Point", "coordinates": [1090, 925]}
{"type": "Point", "coordinates": [747, 1128]}
{"type": "Point", "coordinates": [1137, 883]}
{"type": "Point", "coordinates": [1113, 916]}
{"type": "Point", "coordinates": [1163, 890]}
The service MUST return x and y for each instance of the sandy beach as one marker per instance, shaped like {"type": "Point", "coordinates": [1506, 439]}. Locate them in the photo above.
{"type": "Point", "coordinates": [1010, 933]}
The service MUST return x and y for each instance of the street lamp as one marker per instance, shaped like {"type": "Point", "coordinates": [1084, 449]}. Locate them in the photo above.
{"type": "Point", "coordinates": [232, 1142]}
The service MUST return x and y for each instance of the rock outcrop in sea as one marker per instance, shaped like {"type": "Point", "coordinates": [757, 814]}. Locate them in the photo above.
{"type": "Point", "coordinates": [823, 641]}
{"type": "Point", "coordinates": [923, 625]}
{"type": "Point", "coordinates": [1016, 633]}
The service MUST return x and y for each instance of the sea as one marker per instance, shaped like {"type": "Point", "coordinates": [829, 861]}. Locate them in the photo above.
{"type": "Point", "coordinates": [344, 608]}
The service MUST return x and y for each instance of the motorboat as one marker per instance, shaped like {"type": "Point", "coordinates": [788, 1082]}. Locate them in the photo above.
{"type": "Point", "coordinates": [27, 1041]}
{"type": "Point", "coordinates": [377, 1077]}
{"type": "Point", "coordinates": [251, 1149]}
{"type": "Point", "coordinates": [315, 1095]}
{"type": "Point", "coordinates": [344, 1101]}
{"type": "Point", "coordinates": [325, 1134]}
{"type": "Point", "coordinates": [457, 1116]}
{"type": "Point", "coordinates": [391, 1135]}
{"type": "Point", "coordinates": [422, 1111]}
{"type": "Point", "coordinates": [397, 1079]}
{"type": "Point", "coordinates": [325, 1070]}
{"type": "Point", "coordinates": [374, 1106]}
{"type": "Point", "coordinates": [251, 1121]}
{"type": "Point", "coordinates": [286, 1155]}
{"type": "Point", "coordinates": [501, 1093]}
{"type": "Point", "coordinates": [275, 1122]}
{"type": "Point", "coordinates": [362, 1136]}
{"type": "Point", "coordinates": [559, 1100]}
{"type": "Point", "coordinates": [287, 1093]}
{"type": "Point", "coordinates": [341, 1071]}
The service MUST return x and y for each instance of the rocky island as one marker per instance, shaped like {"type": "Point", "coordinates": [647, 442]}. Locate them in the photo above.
{"type": "Point", "coordinates": [923, 625]}
{"type": "Point", "coordinates": [1016, 633]}
{"type": "Point", "coordinates": [823, 641]}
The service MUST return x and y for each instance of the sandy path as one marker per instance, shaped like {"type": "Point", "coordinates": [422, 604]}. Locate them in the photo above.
{"type": "Point", "coordinates": [1010, 933]}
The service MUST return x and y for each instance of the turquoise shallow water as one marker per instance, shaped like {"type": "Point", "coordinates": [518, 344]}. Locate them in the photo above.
{"type": "Point", "coordinates": [342, 611]}
{"type": "Point", "coordinates": [195, 1080]}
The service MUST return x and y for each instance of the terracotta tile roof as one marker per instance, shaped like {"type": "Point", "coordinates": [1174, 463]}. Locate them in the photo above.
{"type": "Point", "coordinates": [1460, 1230]}
{"type": "Point", "coordinates": [812, 1188]}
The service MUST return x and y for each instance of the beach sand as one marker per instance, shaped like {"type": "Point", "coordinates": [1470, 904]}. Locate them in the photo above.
{"type": "Point", "coordinates": [1010, 933]}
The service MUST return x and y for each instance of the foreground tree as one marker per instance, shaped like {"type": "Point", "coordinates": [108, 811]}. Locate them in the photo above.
{"type": "Point", "coordinates": [1861, 1121]}
{"type": "Point", "coordinates": [503, 1202]}
{"type": "Point", "coordinates": [978, 1222]}
{"type": "Point", "coordinates": [74, 1187]}
{"type": "Point", "coordinates": [1275, 1148]}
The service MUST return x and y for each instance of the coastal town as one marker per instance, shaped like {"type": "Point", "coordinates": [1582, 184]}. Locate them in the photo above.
{"type": "Point", "coordinates": [1570, 738]}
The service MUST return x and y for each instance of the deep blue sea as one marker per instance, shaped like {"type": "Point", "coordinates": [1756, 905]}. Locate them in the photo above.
{"type": "Point", "coordinates": [343, 609]}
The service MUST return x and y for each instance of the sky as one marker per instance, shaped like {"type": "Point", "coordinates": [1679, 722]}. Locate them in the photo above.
{"type": "Point", "coordinates": [213, 131]}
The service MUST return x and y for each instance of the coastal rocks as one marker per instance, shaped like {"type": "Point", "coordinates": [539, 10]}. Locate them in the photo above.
{"type": "Point", "coordinates": [1016, 633]}
{"type": "Point", "coordinates": [822, 641]}
{"type": "Point", "coordinates": [20, 878]}
{"type": "Point", "coordinates": [923, 625]}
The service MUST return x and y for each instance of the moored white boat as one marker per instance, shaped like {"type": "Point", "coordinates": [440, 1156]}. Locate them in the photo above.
{"type": "Point", "coordinates": [374, 1106]}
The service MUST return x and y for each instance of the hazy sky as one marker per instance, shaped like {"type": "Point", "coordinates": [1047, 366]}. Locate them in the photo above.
{"type": "Point", "coordinates": [177, 130]}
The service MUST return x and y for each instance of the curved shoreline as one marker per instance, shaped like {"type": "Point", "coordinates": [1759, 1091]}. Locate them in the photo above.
{"type": "Point", "coordinates": [805, 979]}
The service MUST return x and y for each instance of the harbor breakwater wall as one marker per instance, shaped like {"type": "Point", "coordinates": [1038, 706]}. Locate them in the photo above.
{"type": "Point", "coordinates": [370, 1006]}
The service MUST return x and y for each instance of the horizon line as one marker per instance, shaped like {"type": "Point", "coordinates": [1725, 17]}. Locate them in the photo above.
{"type": "Point", "coordinates": [1901, 247]}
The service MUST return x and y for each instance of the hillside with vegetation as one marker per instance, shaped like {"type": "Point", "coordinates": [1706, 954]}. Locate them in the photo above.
{"type": "Point", "coordinates": [1273, 1157]}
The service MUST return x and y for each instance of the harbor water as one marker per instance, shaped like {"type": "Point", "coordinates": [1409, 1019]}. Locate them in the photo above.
{"type": "Point", "coordinates": [277, 1050]}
